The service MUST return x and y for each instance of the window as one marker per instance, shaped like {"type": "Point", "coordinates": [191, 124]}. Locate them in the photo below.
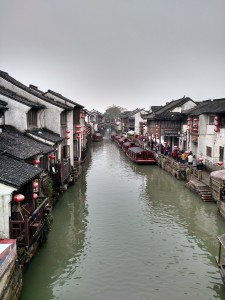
{"type": "Point", "coordinates": [211, 120]}
{"type": "Point", "coordinates": [63, 118]}
{"type": "Point", "coordinates": [32, 118]}
{"type": "Point", "coordinates": [209, 151]}
{"type": "Point", "coordinates": [221, 156]}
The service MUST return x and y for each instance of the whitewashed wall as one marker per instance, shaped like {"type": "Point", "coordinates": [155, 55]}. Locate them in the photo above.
{"type": "Point", "coordinates": [51, 115]}
{"type": "Point", "coordinates": [5, 209]}
{"type": "Point", "coordinates": [16, 115]}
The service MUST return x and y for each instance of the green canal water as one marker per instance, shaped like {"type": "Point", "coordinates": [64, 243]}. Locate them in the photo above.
{"type": "Point", "coordinates": [127, 232]}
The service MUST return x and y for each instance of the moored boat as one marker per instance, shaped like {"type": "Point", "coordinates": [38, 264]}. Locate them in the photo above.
{"type": "Point", "coordinates": [220, 259]}
{"type": "Point", "coordinates": [127, 145]}
{"type": "Point", "coordinates": [141, 156]}
{"type": "Point", "coordinates": [97, 137]}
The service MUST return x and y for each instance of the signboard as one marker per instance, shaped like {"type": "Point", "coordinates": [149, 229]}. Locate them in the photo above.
{"type": "Point", "coordinates": [170, 132]}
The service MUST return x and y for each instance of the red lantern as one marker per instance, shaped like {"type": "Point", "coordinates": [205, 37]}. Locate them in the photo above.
{"type": "Point", "coordinates": [67, 137]}
{"type": "Point", "coordinates": [78, 131]}
{"type": "Point", "coordinates": [78, 137]}
{"type": "Point", "coordinates": [35, 184]}
{"type": "Point", "coordinates": [157, 129]}
{"type": "Point", "coordinates": [175, 147]}
{"type": "Point", "coordinates": [216, 123]}
{"type": "Point", "coordinates": [52, 156]}
{"type": "Point", "coordinates": [36, 161]}
{"type": "Point", "coordinates": [195, 120]}
{"type": "Point", "coordinates": [34, 196]}
{"type": "Point", "coordinates": [216, 118]}
{"type": "Point", "coordinates": [195, 130]}
{"type": "Point", "coordinates": [18, 198]}
{"type": "Point", "coordinates": [82, 114]}
{"type": "Point", "coordinates": [195, 125]}
{"type": "Point", "coordinates": [188, 119]}
{"type": "Point", "coordinates": [216, 129]}
{"type": "Point", "coordinates": [219, 163]}
{"type": "Point", "coordinates": [78, 126]}
{"type": "Point", "coordinates": [67, 131]}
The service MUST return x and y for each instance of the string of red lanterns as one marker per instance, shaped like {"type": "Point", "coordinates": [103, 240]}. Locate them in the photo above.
{"type": "Point", "coordinates": [217, 124]}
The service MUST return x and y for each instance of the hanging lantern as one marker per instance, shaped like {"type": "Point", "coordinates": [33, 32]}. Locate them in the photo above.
{"type": "Point", "coordinates": [67, 131]}
{"type": "Point", "coordinates": [219, 163]}
{"type": "Point", "coordinates": [195, 130]}
{"type": "Point", "coordinates": [216, 123]}
{"type": "Point", "coordinates": [216, 129]}
{"type": "Point", "coordinates": [78, 136]}
{"type": "Point", "coordinates": [35, 184]}
{"type": "Point", "coordinates": [175, 146]}
{"type": "Point", "coordinates": [18, 198]}
{"type": "Point", "coordinates": [36, 162]}
{"type": "Point", "coordinates": [67, 137]}
{"type": "Point", "coordinates": [188, 119]}
{"type": "Point", "coordinates": [195, 125]}
{"type": "Point", "coordinates": [78, 131]}
{"type": "Point", "coordinates": [216, 118]}
{"type": "Point", "coordinates": [78, 126]}
{"type": "Point", "coordinates": [51, 156]}
{"type": "Point", "coordinates": [195, 120]}
{"type": "Point", "coordinates": [157, 129]}
{"type": "Point", "coordinates": [34, 196]}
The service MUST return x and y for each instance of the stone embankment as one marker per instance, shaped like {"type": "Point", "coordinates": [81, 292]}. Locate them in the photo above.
{"type": "Point", "coordinates": [200, 186]}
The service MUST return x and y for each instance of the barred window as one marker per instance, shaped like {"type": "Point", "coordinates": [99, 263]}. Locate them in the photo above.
{"type": "Point", "coordinates": [63, 118]}
{"type": "Point", "coordinates": [32, 118]}
{"type": "Point", "coordinates": [209, 151]}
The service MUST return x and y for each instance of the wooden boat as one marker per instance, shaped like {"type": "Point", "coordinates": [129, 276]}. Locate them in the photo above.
{"type": "Point", "coordinates": [127, 145]}
{"type": "Point", "coordinates": [220, 259]}
{"type": "Point", "coordinates": [122, 140]}
{"type": "Point", "coordinates": [141, 156]}
{"type": "Point", "coordinates": [97, 137]}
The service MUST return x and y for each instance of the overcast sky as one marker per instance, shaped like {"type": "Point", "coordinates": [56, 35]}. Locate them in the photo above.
{"type": "Point", "coordinates": [131, 53]}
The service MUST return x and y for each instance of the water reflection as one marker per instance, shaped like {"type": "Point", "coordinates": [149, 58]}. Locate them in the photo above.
{"type": "Point", "coordinates": [128, 232]}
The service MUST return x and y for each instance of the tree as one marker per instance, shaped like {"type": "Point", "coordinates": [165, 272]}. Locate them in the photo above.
{"type": "Point", "coordinates": [113, 112]}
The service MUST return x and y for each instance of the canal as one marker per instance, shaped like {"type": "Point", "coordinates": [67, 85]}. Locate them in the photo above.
{"type": "Point", "coordinates": [127, 232]}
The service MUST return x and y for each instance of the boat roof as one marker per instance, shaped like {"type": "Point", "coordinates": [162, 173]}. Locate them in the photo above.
{"type": "Point", "coordinates": [221, 239]}
{"type": "Point", "coordinates": [128, 143]}
{"type": "Point", "coordinates": [136, 149]}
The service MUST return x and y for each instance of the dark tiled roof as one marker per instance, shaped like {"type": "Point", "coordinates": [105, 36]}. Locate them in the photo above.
{"type": "Point", "coordinates": [7, 77]}
{"type": "Point", "coordinates": [169, 115]}
{"type": "Point", "coordinates": [173, 104]}
{"type": "Point", "coordinates": [16, 173]}
{"type": "Point", "coordinates": [209, 107]}
{"type": "Point", "coordinates": [20, 99]}
{"type": "Point", "coordinates": [18, 145]}
{"type": "Point", "coordinates": [45, 134]}
{"type": "Point", "coordinates": [155, 108]}
{"type": "Point", "coordinates": [62, 97]}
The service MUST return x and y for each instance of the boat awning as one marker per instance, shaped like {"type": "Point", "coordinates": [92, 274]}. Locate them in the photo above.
{"type": "Point", "coordinates": [221, 239]}
{"type": "Point", "coordinates": [136, 149]}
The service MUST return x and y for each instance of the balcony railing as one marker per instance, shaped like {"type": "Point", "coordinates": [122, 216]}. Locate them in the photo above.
{"type": "Point", "coordinates": [25, 225]}
{"type": "Point", "coordinates": [62, 171]}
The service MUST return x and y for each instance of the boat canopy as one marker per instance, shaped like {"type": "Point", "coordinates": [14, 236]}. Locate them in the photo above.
{"type": "Point", "coordinates": [136, 149]}
{"type": "Point", "coordinates": [221, 239]}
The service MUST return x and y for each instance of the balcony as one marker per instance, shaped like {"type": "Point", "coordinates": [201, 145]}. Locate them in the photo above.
{"type": "Point", "coordinates": [62, 172]}
{"type": "Point", "coordinates": [26, 223]}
